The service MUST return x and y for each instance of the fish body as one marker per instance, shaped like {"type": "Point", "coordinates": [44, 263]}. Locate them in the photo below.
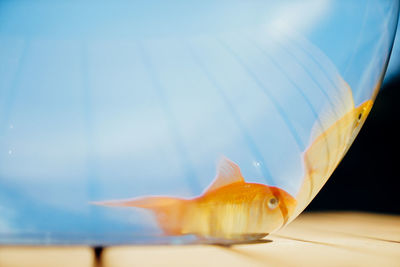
{"type": "Point", "coordinates": [230, 208]}
{"type": "Point", "coordinates": [239, 210]}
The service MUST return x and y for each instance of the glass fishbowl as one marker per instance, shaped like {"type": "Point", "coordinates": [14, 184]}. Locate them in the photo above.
{"type": "Point", "coordinates": [149, 122]}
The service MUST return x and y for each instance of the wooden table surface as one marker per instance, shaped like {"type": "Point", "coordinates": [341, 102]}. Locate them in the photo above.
{"type": "Point", "coordinates": [318, 239]}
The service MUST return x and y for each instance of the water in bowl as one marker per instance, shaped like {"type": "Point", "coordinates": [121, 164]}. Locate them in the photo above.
{"type": "Point", "coordinates": [115, 100]}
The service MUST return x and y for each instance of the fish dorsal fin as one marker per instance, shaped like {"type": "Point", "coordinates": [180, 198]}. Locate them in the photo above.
{"type": "Point", "coordinates": [228, 173]}
{"type": "Point", "coordinates": [342, 101]}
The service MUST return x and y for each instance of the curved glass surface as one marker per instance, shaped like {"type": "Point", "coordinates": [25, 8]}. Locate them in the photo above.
{"type": "Point", "coordinates": [105, 100]}
{"type": "Point", "coordinates": [394, 63]}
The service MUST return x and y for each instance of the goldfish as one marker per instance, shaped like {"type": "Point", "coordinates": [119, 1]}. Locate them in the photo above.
{"type": "Point", "coordinates": [229, 208]}
{"type": "Point", "coordinates": [328, 147]}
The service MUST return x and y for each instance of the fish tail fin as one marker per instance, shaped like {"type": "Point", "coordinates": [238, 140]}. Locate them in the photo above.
{"type": "Point", "coordinates": [169, 211]}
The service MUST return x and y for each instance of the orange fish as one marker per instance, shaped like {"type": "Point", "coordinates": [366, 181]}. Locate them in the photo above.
{"type": "Point", "coordinates": [230, 208]}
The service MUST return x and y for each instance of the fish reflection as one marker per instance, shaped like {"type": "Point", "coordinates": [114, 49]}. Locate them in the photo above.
{"type": "Point", "coordinates": [230, 208]}
{"type": "Point", "coordinates": [328, 147]}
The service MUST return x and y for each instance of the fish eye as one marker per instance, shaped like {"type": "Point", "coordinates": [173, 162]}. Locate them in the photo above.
{"type": "Point", "coordinates": [360, 115]}
{"type": "Point", "coordinates": [273, 203]}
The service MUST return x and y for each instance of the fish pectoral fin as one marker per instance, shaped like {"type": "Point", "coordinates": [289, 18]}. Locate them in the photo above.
{"type": "Point", "coordinates": [228, 173]}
